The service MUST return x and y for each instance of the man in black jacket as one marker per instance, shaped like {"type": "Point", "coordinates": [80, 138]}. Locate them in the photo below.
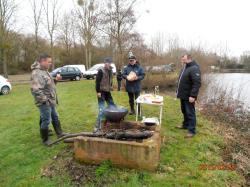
{"type": "Point", "coordinates": [187, 91]}
{"type": "Point", "coordinates": [103, 90]}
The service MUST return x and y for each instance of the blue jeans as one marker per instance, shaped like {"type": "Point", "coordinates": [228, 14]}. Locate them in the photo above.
{"type": "Point", "coordinates": [105, 96]}
{"type": "Point", "coordinates": [47, 113]}
{"type": "Point", "coordinates": [188, 111]}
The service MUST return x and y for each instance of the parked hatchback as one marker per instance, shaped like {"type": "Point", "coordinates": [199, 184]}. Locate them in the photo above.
{"type": "Point", "coordinates": [5, 86]}
{"type": "Point", "coordinates": [68, 73]}
{"type": "Point", "coordinates": [81, 67]}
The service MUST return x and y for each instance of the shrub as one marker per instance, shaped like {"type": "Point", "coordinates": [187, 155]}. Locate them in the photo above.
{"type": "Point", "coordinates": [164, 81]}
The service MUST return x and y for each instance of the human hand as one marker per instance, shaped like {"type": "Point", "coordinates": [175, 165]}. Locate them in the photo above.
{"type": "Point", "coordinates": [58, 77]}
{"type": "Point", "coordinates": [132, 76]}
{"type": "Point", "coordinates": [191, 99]}
{"type": "Point", "coordinates": [99, 95]}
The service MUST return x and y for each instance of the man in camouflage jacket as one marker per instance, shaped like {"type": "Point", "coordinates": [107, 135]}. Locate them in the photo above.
{"type": "Point", "coordinates": [44, 91]}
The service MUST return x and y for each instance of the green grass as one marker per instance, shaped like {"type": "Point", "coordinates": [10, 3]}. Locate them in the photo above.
{"type": "Point", "coordinates": [23, 157]}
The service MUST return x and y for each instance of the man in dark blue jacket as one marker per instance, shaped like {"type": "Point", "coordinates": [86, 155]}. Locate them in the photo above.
{"type": "Point", "coordinates": [187, 91]}
{"type": "Point", "coordinates": [133, 73]}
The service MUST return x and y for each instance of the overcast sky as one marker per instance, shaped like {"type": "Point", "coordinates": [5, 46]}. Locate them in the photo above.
{"type": "Point", "coordinates": [216, 24]}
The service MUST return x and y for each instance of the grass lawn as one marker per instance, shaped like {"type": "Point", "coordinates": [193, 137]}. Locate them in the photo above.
{"type": "Point", "coordinates": [23, 157]}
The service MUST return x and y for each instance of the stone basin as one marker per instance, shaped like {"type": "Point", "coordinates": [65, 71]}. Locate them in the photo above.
{"type": "Point", "coordinates": [140, 154]}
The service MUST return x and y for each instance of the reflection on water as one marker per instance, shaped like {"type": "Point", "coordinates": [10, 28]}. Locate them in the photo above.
{"type": "Point", "coordinates": [236, 85]}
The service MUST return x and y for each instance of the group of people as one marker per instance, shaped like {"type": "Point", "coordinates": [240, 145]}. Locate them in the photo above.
{"type": "Point", "coordinates": [133, 73]}
{"type": "Point", "coordinates": [44, 91]}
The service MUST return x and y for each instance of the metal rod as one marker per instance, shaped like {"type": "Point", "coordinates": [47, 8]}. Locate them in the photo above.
{"type": "Point", "coordinates": [89, 134]}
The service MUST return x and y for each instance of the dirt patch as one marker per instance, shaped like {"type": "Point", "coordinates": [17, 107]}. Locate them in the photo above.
{"type": "Point", "coordinates": [80, 174]}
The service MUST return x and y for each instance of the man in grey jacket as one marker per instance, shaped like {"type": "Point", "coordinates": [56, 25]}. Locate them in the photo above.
{"type": "Point", "coordinates": [44, 91]}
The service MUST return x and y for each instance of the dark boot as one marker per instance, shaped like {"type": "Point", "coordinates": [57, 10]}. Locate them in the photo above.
{"type": "Point", "coordinates": [45, 136]}
{"type": "Point", "coordinates": [50, 131]}
{"type": "Point", "coordinates": [132, 110]}
{"type": "Point", "coordinates": [58, 129]}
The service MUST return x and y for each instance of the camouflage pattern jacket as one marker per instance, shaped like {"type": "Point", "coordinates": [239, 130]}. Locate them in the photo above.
{"type": "Point", "coordinates": [42, 86]}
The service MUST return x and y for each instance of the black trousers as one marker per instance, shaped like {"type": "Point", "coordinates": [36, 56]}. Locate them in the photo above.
{"type": "Point", "coordinates": [188, 111]}
{"type": "Point", "coordinates": [119, 84]}
{"type": "Point", "coordinates": [132, 97]}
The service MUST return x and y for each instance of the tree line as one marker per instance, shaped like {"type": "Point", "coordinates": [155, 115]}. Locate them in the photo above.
{"type": "Point", "coordinates": [93, 29]}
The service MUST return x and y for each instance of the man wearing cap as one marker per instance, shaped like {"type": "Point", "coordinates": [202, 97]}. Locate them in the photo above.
{"type": "Point", "coordinates": [133, 73]}
{"type": "Point", "coordinates": [44, 91]}
{"type": "Point", "coordinates": [103, 90]}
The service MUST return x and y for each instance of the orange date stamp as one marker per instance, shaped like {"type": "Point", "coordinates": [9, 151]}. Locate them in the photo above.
{"type": "Point", "coordinates": [230, 167]}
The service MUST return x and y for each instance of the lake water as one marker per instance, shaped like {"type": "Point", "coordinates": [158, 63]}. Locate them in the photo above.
{"type": "Point", "coordinates": [236, 85]}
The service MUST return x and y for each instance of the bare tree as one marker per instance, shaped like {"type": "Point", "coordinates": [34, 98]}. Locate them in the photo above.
{"type": "Point", "coordinates": [7, 10]}
{"type": "Point", "coordinates": [137, 46]}
{"type": "Point", "coordinates": [51, 9]}
{"type": "Point", "coordinates": [67, 31]}
{"type": "Point", "coordinates": [88, 14]}
{"type": "Point", "coordinates": [119, 20]}
{"type": "Point", "coordinates": [158, 43]}
{"type": "Point", "coordinates": [36, 6]}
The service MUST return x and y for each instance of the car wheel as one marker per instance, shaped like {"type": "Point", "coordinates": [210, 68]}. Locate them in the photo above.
{"type": "Point", "coordinates": [78, 78]}
{"type": "Point", "coordinates": [5, 90]}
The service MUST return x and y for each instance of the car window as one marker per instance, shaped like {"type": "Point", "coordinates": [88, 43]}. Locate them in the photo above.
{"type": "Point", "coordinates": [71, 69]}
{"type": "Point", "coordinates": [56, 70]}
{"type": "Point", "coordinates": [63, 70]}
{"type": "Point", "coordinates": [94, 68]}
{"type": "Point", "coordinates": [77, 69]}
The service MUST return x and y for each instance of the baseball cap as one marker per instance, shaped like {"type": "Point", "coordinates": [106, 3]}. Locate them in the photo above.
{"type": "Point", "coordinates": [107, 60]}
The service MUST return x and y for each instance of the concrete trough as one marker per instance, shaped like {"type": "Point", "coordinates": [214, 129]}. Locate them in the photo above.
{"type": "Point", "coordinates": [143, 154]}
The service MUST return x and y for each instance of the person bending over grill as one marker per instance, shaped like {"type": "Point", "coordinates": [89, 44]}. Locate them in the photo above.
{"type": "Point", "coordinates": [103, 90]}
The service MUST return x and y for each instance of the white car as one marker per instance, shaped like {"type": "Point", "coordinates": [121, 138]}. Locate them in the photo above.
{"type": "Point", "coordinates": [5, 86]}
{"type": "Point", "coordinates": [92, 72]}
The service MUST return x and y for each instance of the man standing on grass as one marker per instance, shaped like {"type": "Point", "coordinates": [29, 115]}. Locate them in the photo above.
{"type": "Point", "coordinates": [119, 80]}
{"type": "Point", "coordinates": [133, 73]}
{"type": "Point", "coordinates": [103, 90]}
{"type": "Point", "coordinates": [44, 91]}
{"type": "Point", "coordinates": [187, 91]}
